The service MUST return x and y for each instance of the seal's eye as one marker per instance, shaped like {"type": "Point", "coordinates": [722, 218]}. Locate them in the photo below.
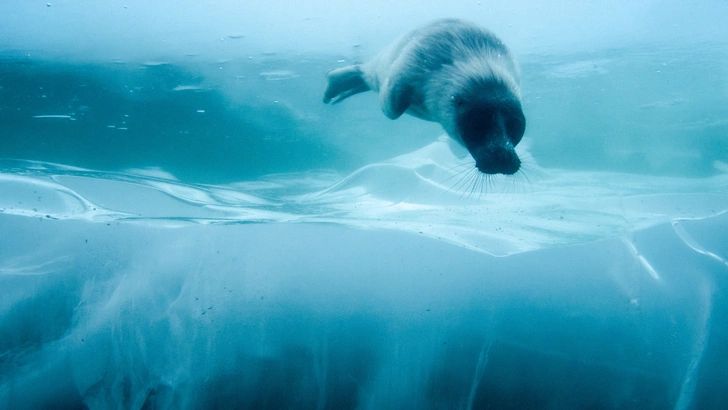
{"type": "Point", "coordinates": [458, 101]}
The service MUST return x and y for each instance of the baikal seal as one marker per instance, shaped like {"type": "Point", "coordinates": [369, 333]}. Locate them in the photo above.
{"type": "Point", "coordinates": [452, 72]}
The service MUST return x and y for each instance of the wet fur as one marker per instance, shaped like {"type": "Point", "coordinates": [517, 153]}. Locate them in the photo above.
{"type": "Point", "coordinates": [451, 72]}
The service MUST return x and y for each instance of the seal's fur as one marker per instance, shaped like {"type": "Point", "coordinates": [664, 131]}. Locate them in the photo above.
{"type": "Point", "coordinates": [452, 72]}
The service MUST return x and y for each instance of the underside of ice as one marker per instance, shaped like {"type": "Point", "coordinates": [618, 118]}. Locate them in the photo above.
{"type": "Point", "coordinates": [137, 290]}
{"type": "Point", "coordinates": [434, 191]}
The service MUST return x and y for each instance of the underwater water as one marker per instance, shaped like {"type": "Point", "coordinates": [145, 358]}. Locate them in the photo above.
{"type": "Point", "coordinates": [185, 224]}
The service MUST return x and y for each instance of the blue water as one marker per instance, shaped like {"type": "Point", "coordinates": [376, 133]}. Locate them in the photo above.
{"type": "Point", "coordinates": [184, 224]}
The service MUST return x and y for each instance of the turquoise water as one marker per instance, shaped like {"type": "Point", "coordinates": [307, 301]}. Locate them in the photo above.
{"type": "Point", "coordinates": [185, 224]}
{"type": "Point", "coordinates": [657, 110]}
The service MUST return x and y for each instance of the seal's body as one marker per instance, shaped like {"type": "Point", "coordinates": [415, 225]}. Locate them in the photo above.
{"type": "Point", "coordinates": [451, 72]}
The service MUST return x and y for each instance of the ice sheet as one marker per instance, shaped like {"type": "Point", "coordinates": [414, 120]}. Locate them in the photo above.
{"type": "Point", "coordinates": [433, 192]}
{"type": "Point", "coordinates": [136, 313]}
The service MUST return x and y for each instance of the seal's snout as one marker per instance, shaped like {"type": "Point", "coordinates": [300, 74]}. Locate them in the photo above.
{"type": "Point", "coordinates": [501, 160]}
{"type": "Point", "coordinates": [490, 123]}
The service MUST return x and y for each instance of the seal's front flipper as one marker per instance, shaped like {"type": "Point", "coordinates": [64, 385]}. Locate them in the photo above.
{"type": "Point", "coordinates": [395, 97]}
{"type": "Point", "coordinates": [343, 83]}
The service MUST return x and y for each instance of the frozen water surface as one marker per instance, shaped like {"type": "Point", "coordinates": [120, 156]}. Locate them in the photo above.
{"type": "Point", "coordinates": [184, 224]}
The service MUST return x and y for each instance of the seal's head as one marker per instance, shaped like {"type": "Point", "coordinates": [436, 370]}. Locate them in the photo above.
{"type": "Point", "coordinates": [484, 114]}
{"type": "Point", "coordinates": [490, 123]}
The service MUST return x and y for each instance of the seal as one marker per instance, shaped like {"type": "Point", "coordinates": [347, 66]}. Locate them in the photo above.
{"type": "Point", "coordinates": [452, 72]}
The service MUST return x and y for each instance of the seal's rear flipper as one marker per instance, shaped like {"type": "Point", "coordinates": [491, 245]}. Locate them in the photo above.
{"type": "Point", "coordinates": [343, 83]}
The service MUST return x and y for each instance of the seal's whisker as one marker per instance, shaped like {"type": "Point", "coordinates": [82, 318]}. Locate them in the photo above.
{"type": "Point", "coordinates": [481, 183]}
{"type": "Point", "coordinates": [476, 178]}
{"type": "Point", "coordinates": [472, 174]}
{"type": "Point", "coordinates": [473, 180]}
{"type": "Point", "coordinates": [463, 175]}
{"type": "Point", "coordinates": [482, 178]}
{"type": "Point", "coordinates": [486, 184]}
{"type": "Point", "coordinates": [528, 176]}
{"type": "Point", "coordinates": [523, 177]}
{"type": "Point", "coordinates": [526, 156]}
{"type": "Point", "coordinates": [528, 164]}
{"type": "Point", "coordinates": [462, 182]}
{"type": "Point", "coordinates": [457, 174]}
{"type": "Point", "coordinates": [461, 165]}
{"type": "Point", "coordinates": [512, 185]}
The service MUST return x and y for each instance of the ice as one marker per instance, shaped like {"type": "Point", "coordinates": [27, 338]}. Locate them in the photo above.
{"type": "Point", "coordinates": [139, 290]}
{"type": "Point", "coordinates": [270, 315]}
{"type": "Point", "coordinates": [416, 193]}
